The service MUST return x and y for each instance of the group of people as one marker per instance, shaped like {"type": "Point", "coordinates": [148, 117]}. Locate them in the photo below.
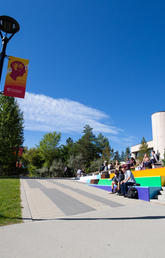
{"type": "Point", "coordinates": [149, 162]}
{"type": "Point", "coordinates": [105, 167]}
{"type": "Point", "coordinates": [122, 180]}
{"type": "Point", "coordinates": [123, 176]}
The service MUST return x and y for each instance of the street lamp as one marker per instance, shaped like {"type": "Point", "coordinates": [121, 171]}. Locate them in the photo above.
{"type": "Point", "coordinates": [8, 25]}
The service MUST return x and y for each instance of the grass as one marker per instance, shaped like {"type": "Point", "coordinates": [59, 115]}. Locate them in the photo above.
{"type": "Point", "coordinates": [10, 201]}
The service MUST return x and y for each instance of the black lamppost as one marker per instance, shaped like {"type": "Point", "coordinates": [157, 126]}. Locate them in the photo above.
{"type": "Point", "coordinates": [8, 25]}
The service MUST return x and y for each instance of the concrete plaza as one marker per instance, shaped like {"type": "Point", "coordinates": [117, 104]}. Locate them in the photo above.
{"type": "Point", "coordinates": [65, 218]}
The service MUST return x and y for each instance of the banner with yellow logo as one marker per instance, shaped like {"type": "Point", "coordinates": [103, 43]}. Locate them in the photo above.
{"type": "Point", "coordinates": [16, 77]}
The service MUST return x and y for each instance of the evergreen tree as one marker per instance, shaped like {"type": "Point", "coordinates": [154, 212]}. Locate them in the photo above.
{"type": "Point", "coordinates": [122, 156]}
{"type": "Point", "coordinates": [116, 156]}
{"type": "Point", "coordinates": [11, 134]}
{"type": "Point", "coordinates": [104, 148]}
{"type": "Point", "coordinates": [101, 142]}
{"type": "Point", "coordinates": [106, 154]}
{"type": "Point", "coordinates": [86, 146]}
{"type": "Point", "coordinates": [143, 149]}
{"type": "Point", "coordinates": [69, 141]}
{"type": "Point", "coordinates": [127, 153]}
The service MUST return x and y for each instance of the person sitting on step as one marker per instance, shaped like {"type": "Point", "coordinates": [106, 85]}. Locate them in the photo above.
{"type": "Point", "coordinates": [146, 162]}
{"type": "Point", "coordinates": [129, 180]}
{"type": "Point", "coordinates": [119, 176]}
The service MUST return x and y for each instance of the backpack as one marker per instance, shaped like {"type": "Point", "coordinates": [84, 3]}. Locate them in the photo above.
{"type": "Point", "coordinates": [132, 193]}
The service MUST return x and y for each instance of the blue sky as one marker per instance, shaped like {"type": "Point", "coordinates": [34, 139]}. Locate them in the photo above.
{"type": "Point", "coordinates": [99, 62]}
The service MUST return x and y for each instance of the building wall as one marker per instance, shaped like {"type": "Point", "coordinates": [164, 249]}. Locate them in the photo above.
{"type": "Point", "coordinates": [135, 149]}
{"type": "Point", "coordinates": [158, 132]}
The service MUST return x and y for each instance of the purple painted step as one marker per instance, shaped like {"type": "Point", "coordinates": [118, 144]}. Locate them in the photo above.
{"type": "Point", "coordinates": [145, 193]}
{"type": "Point", "coordinates": [103, 187]}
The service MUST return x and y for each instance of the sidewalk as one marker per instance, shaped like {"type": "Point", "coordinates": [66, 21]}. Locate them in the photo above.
{"type": "Point", "coordinates": [133, 228]}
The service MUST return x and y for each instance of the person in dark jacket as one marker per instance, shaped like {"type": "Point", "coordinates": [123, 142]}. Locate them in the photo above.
{"type": "Point", "coordinates": [129, 180]}
{"type": "Point", "coordinates": [119, 176]}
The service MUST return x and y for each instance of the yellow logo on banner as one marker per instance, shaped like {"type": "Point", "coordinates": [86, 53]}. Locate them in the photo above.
{"type": "Point", "coordinates": [15, 83]}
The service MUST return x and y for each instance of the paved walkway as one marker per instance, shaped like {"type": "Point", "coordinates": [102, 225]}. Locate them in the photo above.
{"type": "Point", "coordinates": [65, 218]}
{"type": "Point", "coordinates": [51, 199]}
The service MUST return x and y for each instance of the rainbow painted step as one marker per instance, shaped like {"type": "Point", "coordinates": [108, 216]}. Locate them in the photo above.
{"type": "Point", "coordinates": [94, 181]}
{"type": "Point", "coordinates": [105, 182]}
{"type": "Point", "coordinates": [146, 172]}
{"type": "Point", "coordinates": [145, 193]}
{"type": "Point", "coordinates": [151, 181]}
{"type": "Point", "coordinates": [149, 172]}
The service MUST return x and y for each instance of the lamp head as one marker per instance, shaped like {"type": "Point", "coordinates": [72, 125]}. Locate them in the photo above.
{"type": "Point", "coordinates": [9, 25]}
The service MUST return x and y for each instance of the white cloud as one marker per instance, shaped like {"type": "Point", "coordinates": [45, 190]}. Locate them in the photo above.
{"type": "Point", "coordinates": [123, 140]}
{"type": "Point", "coordinates": [43, 113]}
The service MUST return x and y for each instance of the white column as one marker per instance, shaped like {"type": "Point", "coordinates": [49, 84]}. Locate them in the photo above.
{"type": "Point", "coordinates": [158, 132]}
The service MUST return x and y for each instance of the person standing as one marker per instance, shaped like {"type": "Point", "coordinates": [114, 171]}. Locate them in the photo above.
{"type": "Point", "coordinates": [79, 172]}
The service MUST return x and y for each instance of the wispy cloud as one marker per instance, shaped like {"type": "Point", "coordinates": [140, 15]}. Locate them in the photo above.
{"type": "Point", "coordinates": [43, 113]}
{"type": "Point", "coordinates": [123, 140]}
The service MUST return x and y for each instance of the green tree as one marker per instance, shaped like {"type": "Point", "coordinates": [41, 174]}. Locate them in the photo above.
{"type": "Point", "coordinates": [116, 156]}
{"type": "Point", "coordinates": [69, 141]}
{"type": "Point", "coordinates": [143, 149]}
{"type": "Point", "coordinates": [32, 160]}
{"type": "Point", "coordinates": [48, 148]}
{"type": "Point", "coordinates": [101, 142]}
{"type": "Point", "coordinates": [86, 146]}
{"type": "Point", "coordinates": [75, 162]}
{"type": "Point", "coordinates": [67, 150]}
{"type": "Point", "coordinates": [106, 154]}
{"type": "Point", "coordinates": [127, 153]}
{"type": "Point", "coordinates": [104, 148]}
{"type": "Point", "coordinates": [95, 165]}
{"type": "Point", "coordinates": [11, 134]}
{"type": "Point", "coordinates": [122, 156]}
{"type": "Point", "coordinates": [57, 168]}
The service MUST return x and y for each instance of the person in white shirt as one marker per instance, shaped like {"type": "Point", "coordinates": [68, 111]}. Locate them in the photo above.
{"type": "Point", "coordinates": [79, 172]}
{"type": "Point", "coordinates": [128, 179]}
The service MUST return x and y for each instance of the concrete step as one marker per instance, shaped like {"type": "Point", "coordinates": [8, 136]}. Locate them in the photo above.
{"type": "Point", "coordinates": [162, 192]}
{"type": "Point", "coordinates": [162, 202]}
{"type": "Point", "coordinates": [161, 197]}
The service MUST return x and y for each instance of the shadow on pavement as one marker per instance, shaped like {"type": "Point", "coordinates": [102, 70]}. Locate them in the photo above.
{"type": "Point", "coordinates": [90, 219]}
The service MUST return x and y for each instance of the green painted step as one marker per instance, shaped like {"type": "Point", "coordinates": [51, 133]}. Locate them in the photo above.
{"type": "Point", "coordinates": [105, 182]}
{"type": "Point", "coordinates": [150, 181]}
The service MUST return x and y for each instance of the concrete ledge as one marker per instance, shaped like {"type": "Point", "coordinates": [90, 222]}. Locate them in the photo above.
{"type": "Point", "coordinates": [26, 214]}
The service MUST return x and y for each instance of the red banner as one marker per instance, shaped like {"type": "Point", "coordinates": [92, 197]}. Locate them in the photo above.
{"type": "Point", "coordinates": [15, 83]}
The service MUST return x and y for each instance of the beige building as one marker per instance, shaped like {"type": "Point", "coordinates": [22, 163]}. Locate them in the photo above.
{"type": "Point", "coordinates": [158, 134]}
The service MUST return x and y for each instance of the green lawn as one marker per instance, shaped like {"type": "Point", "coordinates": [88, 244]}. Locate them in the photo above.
{"type": "Point", "coordinates": [10, 202]}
